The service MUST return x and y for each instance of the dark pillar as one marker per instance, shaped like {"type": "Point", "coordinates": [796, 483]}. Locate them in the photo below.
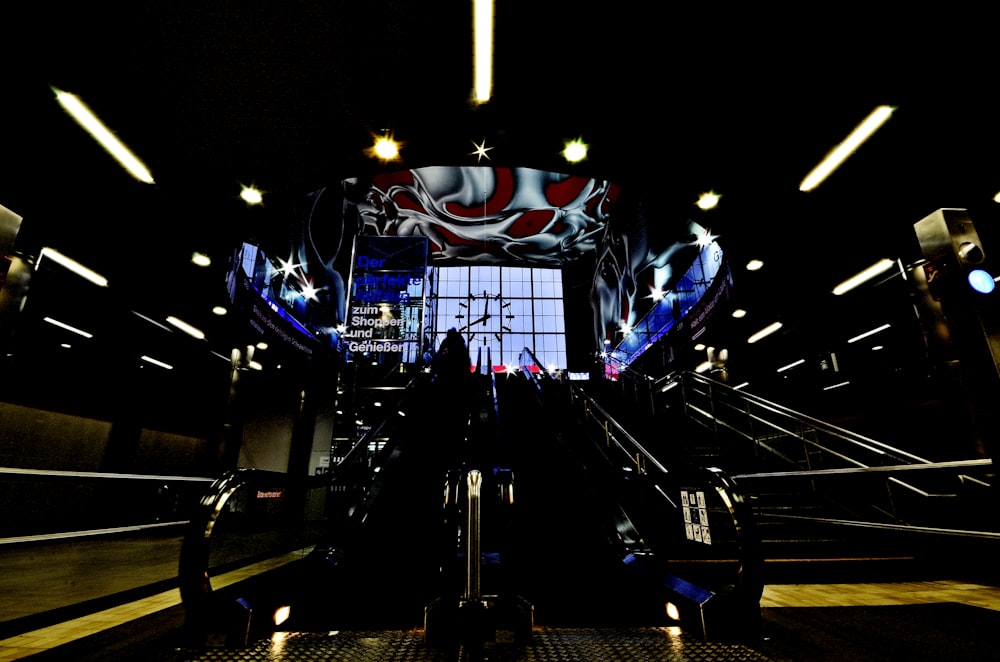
{"type": "Point", "coordinates": [228, 451]}
{"type": "Point", "coordinates": [961, 325]}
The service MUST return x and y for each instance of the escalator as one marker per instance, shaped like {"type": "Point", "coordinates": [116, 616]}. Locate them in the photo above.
{"type": "Point", "coordinates": [567, 545]}
{"type": "Point", "coordinates": [547, 541]}
{"type": "Point", "coordinates": [479, 541]}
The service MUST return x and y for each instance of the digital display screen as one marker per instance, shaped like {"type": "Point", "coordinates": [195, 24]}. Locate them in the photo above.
{"type": "Point", "coordinates": [484, 215]}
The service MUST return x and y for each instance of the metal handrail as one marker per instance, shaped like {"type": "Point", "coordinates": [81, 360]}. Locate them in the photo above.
{"type": "Point", "coordinates": [636, 453]}
{"type": "Point", "coordinates": [362, 444]}
{"type": "Point", "coordinates": [665, 483]}
{"type": "Point", "coordinates": [766, 422]}
{"type": "Point", "coordinates": [815, 473]}
{"type": "Point", "coordinates": [100, 474]}
{"type": "Point", "coordinates": [853, 438]}
{"type": "Point", "coordinates": [99, 528]}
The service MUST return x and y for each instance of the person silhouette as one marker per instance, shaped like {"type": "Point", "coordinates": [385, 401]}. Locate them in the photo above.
{"type": "Point", "coordinates": [452, 380]}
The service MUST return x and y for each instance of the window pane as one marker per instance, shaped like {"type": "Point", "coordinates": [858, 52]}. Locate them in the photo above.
{"type": "Point", "coordinates": [513, 314]}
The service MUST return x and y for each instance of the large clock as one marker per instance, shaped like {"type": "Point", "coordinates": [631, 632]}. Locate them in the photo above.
{"type": "Point", "coordinates": [489, 314]}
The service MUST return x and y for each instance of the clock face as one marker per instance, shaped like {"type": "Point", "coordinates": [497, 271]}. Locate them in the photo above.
{"type": "Point", "coordinates": [487, 314]}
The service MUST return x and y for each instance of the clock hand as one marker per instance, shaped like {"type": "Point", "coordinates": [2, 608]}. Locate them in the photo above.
{"type": "Point", "coordinates": [476, 321]}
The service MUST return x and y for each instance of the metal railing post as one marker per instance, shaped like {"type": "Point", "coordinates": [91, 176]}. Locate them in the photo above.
{"type": "Point", "coordinates": [473, 544]}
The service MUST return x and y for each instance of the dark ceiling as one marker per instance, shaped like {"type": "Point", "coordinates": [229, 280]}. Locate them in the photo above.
{"type": "Point", "coordinates": [673, 102]}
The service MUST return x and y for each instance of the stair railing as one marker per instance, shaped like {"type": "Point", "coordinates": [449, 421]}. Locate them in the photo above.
{"type": "Point", "coordinates": [805, 448]}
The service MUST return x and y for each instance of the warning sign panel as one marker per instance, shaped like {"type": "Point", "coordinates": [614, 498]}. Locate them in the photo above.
{"type": "Point", "coordinates": [695, 516]}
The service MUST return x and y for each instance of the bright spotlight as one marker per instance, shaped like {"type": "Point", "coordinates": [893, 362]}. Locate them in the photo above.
{"type": "Point", "coordinates": [251, 195]}
{"type": "Point", "coordinates": [575, 151]}
{"type": "Point", "coordinates": [708, 200]}
{"type": "Point", "coordinates": [385, 148]}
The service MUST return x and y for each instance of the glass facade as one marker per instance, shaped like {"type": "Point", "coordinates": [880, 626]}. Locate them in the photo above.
{"type": "Point", "coordinates": [502, 310]}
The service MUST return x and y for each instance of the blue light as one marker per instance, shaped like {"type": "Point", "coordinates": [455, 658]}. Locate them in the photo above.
{"type": "Point", "coordinates": [981, 281]}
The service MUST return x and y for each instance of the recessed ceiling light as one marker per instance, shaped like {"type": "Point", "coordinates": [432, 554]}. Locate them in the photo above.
{"type": "Point", "coordinates": [575, 151]}
{"type": "Point", "coordinates": [708, 200]}
{"type": "Point", "coordinates": [251, 195]}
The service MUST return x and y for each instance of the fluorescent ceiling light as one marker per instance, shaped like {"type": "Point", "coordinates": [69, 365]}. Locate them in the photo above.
{"type": "Point", "coordinates": [482, 49]}
{"type": "Point", "coordinates": [791, 365]}
{"type": "Point", "coordinates": [150, 320]}
{"type": "Point", "coordinates": [86, 119]}
{"type": "Point", "coordinates": [186, 328]}
{"type": "Point", "coordinates": [72, 329]}
{"type": "Point", "coordinates": [869, 333]}
{"type": "Point", "coordinates": [840, 153]}
{"type": "Point", "coordinates": [763, 333]}
{"type": "Point", "coordinates": [72, 265]}
{"type": "Point", "coordinates": [879, 267]}
{"type": "Point", "coordinates": [150, 359]}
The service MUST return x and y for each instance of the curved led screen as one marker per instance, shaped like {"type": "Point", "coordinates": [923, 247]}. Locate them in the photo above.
{"type": "Point", "coordinates": [490, 215]}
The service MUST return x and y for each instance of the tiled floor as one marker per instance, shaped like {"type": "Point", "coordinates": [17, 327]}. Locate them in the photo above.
{"type": "Point", "coordinates": [74, 573]}
{"type": "Point", "coordinates": [877, 594]}
{"type": "Point", "coordinates": [29, 643]}
{"type": "Point", "coordinates": [784, 595]}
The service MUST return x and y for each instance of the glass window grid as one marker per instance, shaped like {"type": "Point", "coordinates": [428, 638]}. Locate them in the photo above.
{"type": "Point", "coordinates": [535, 300]}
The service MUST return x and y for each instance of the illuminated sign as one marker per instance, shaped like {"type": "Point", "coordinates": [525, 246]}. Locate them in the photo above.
{"type": "Point", "coordinates": [386, 292]}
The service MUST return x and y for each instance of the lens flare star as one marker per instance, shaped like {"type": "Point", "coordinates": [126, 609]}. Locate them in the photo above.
{"type": "Point", "coordinates": [480, 151]}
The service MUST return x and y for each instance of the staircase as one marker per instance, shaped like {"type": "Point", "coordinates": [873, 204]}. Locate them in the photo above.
{"type": "Point", "coordinates": [829, 505]}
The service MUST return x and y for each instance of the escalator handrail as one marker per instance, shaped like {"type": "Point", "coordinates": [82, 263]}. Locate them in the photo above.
{"type": "Point", "coordinates": [193, 565]}
{"type": "Point", "coordinates": [366, 439]}
{"type": "Point", "coordinates": [621, 433]}
{"type": "Point", "coordinates": [532, 368]}
{"type": "Point", "coordinates": [748, 579]}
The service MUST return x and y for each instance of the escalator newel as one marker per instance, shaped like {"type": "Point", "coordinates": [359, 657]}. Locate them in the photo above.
{"type": "Point", "coordinates": [473, 620]}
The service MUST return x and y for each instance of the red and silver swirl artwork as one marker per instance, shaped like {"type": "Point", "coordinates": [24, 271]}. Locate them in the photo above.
{"type": "Point", "coordinates": [487, 215]}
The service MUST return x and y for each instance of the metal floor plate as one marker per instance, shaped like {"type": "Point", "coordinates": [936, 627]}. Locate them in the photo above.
{"type": "Point", "coordinates": [547, 645]}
